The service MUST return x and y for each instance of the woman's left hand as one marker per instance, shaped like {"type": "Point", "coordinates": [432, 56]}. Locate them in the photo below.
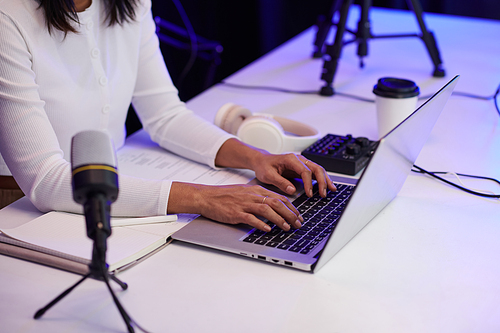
{"type": "Point", "coordinates": [274, 169]}
{"type": "Point", "coordinates": [278, 169]}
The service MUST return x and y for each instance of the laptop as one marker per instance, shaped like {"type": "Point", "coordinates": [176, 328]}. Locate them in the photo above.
{"type": "Point", "coordinates": [350, 208]}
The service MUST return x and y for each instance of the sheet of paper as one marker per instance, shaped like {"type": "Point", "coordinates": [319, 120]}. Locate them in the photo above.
{"type": "Point", "coordinates": [140, 157]}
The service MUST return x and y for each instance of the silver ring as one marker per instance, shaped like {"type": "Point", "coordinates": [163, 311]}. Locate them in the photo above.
{"type": "Point", "coordinates": [264, 200]}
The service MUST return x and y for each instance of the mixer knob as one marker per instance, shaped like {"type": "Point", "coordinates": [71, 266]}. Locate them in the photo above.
{"type": "Point", "coordinates": [352, 149]}
{"type": "Point", "coordinates": [362, 141]}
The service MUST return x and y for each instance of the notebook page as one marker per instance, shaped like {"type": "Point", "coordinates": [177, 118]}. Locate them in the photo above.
{"type": "Point", "coordinates": [67, 233]}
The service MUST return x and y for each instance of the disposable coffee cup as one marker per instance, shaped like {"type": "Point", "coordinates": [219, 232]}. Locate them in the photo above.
{"type": "Point", "coordinates": [395, 100]}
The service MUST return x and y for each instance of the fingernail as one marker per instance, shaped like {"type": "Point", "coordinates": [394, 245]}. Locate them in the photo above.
{"type": "Point", "coordinates": [310, 193]}
{"type": "Point", "coordinates": [324, 192]}
{"type": "Point", "coordinates": [286, 226]}
{"type": "Point", "coordinates": [267, 228]}
{"type": "Point", "coordinates": [290, 189]}
{"type": "Point", "coordinates": [298, 224]}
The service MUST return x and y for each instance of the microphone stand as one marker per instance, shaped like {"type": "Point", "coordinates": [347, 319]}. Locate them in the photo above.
{"type": "Point", "coordinates": [98, 269]}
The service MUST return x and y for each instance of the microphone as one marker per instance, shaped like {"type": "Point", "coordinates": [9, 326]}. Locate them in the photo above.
{"type": "Point", "coordinates": [95, 181]}
{"type": "Point", "coordinates": [95, 185]}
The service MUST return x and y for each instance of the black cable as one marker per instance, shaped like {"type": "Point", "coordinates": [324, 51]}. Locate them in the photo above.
{"type": "Point", "coordinates": [277, 89]}
{"type": "Point", "coordinates": [192, 39]}
{"type": "Point", "coordinates": [496, 98]}
{"type": "Point", "coordinates": [435, 175]}
{"type": "Point", "coordinates": [493, 97]}
{"type": "Point", "coordinates": [283, 90]}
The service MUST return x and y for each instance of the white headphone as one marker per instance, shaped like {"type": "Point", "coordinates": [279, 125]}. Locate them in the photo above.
{"type": "Point", "coordinates": [265, 131]}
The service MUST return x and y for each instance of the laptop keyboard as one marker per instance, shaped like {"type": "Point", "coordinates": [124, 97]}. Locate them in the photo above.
{"type": "Point", "coordinates": [320, 218]}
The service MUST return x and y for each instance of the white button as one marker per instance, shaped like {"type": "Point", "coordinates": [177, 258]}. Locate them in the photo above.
{"type": "Point", "coordinates": [106, 108]}
{"type": "Point", "coordinates": [95, 53]}
{"type": "Point", "coordinates": [90, 25]}
{"type": "Point", "coordinates": [103, 81]}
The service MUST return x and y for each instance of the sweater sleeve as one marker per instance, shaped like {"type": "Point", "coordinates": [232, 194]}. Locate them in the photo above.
{"type": "Point", "coordinates": [163, 115]}
{"type": "Point", "coordinates": [30, 147]}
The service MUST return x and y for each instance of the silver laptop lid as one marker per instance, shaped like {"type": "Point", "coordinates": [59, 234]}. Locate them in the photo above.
{"type": "Point", "coordinates": [387, 171]}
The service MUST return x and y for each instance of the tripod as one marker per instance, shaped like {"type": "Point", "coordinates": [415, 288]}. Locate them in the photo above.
{"type": "Point", "coordinates": [361, 36]}
{"type": "Point", "coordinates": [98, 270]}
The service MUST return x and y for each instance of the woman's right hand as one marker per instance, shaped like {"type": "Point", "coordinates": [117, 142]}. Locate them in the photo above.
{"type": "Point", "coordinates": [234, 204]}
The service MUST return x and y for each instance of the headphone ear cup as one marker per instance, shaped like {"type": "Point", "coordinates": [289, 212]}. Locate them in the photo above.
{"type": "Point", "coordinates": [272, 133]}
{"type": "Point", "coordinates": [262, 132]}
{"type": "Point", "coordinates": [230, 116]}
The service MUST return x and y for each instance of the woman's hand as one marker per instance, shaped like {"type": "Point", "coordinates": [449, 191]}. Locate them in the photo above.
{"type": "Point", "coordinates": [274, 169]}
{"type": "Point", "coordinates": [234, 204]}
{"type": "Point", "coordinates": [243, 203]}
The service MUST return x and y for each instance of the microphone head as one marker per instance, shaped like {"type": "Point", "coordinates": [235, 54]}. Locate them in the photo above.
{"type": "Point", "coordinates": [93, 162]}
{"type": "Point", "coordinates": [92, 147]}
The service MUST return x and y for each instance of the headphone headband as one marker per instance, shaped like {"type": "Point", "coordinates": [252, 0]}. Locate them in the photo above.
{"type": "Point", "coordinates": [272, 133]}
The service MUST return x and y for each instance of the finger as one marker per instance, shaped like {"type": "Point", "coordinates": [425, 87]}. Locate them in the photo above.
{"type": "Point", "coordinates": [330, 183]}
{"type": "Point", "coordinates": [274, 217]}
{"type": "Point", "coordinates": [323, 180]}
{"type": "Point", "coordinates": [282, 183]}
{"type": "Point", "coordinates": [306, 176]}
{"type": "Point", "coordinates": [253, 221]}
{"type": "Point", "coordinates": [296, 219]}
{"type": "Point", "coordinates": [284, 166]}
{"type": "Point", "coordinates": [278, 210]}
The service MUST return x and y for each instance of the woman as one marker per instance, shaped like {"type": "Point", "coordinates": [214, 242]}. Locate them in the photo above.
{"type": "Point", "coordinates": [71, 66]}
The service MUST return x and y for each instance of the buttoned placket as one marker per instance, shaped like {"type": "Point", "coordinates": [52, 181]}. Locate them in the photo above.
{"type": "Point", "coordinates": [100, 73]}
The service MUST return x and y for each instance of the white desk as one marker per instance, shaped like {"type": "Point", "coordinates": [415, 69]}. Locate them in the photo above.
{"type": "Point", "coordinates": [428, 263]}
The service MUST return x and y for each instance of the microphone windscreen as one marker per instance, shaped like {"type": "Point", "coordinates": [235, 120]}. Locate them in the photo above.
{"type": "Point", "coordinates": [92, 147]}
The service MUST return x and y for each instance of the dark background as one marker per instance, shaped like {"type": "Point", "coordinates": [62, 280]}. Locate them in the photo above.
{"type": "Point", "coordinates": [248, 29]}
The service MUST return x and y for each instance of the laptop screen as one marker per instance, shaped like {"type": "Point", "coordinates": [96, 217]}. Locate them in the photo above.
{"type": "Point", "coordinates": [387, 171]}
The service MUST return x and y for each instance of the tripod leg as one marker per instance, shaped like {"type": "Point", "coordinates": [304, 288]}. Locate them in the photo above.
{"type": "Point", "coordinates": [333, 51]}
{"type": "Point", "coordinates": [364, 32]}
{"type": "Point", "coordinates": [40, 312]}
{"type": "Point", "coordinates": [324, 24]}
{"type": "Point", "coordinates": [428, 38]}
{"type": "Point", "coordinates": [123, 313]}
{"type": "Point", "coordinates": [118, 281]}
